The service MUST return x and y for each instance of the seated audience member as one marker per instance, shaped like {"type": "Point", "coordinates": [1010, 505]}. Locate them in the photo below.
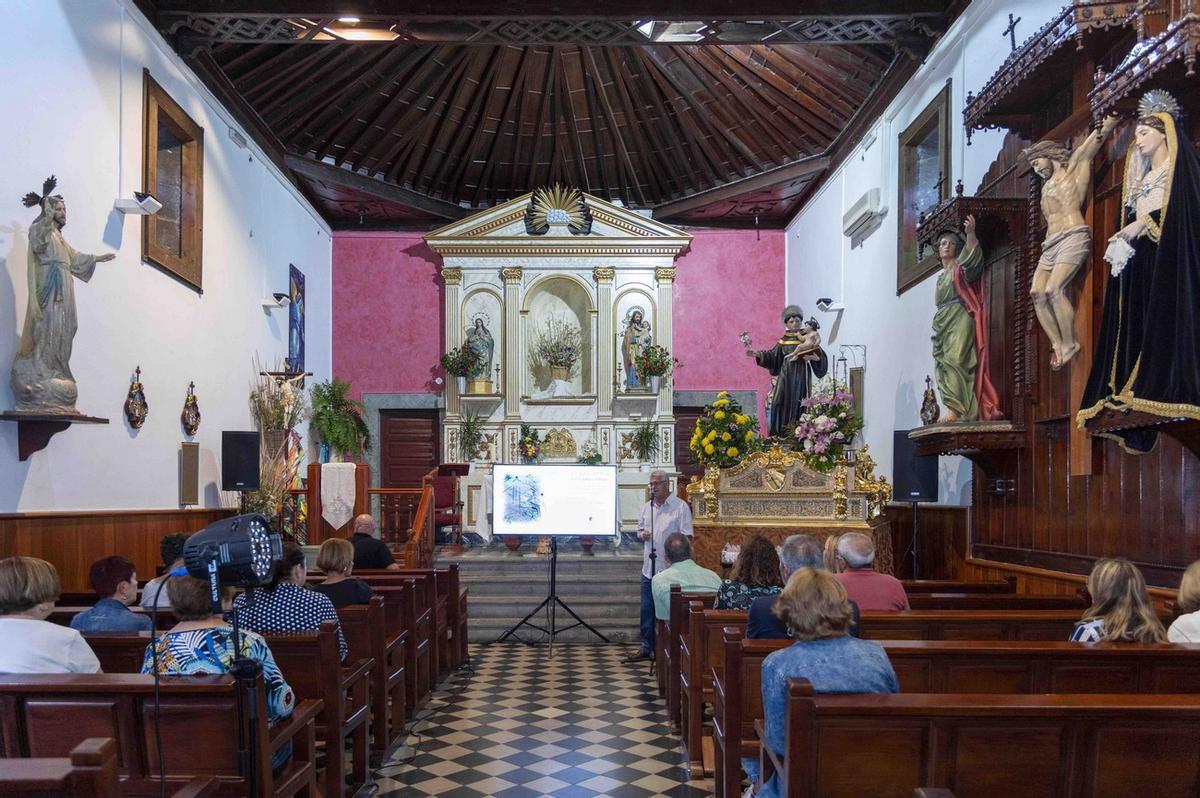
{"type": "Point", "coordinates": [336, 559]}
{"type": "Point", "coordinates": [369, 550]}
{"type": "Point", "coordinates": [755, 574]}
{"type": "Point", "coordinates": [866, 586]}
{"type": "Point", "coordinates": [202, 644]}
{"type": "Point", "coordinates": [170, 549]}
{"type": "Point", "coordinates": [115, 582]}
{"type": "Point", "coordinates": [832, 564]}
{"type": "Point", "coordinates": [1121, 610]}
{"type": "Point", "coordinates": [798, 551]}
{"type": "Point", "coordinates": [28, 589]}
{"type": "Point", "coordinates": [285, 604]}
{"type": "Point", "coordinates": [683, 571]}
{"type": "Point", "coordinates": [815, 609]}
{"type": "Point", "coordinates": [1186, 628]}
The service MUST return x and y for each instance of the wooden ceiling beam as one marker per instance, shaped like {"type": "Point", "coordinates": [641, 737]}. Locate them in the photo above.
{"type": "Point", "coordinates": [649, 164]}
{"type": "Point", "coordinates": [795, 93]}
{"type": "Point", "coordinates": [515, 99]}
{"type": "Point", "coordinates": [593, 9]}
{"type": "Point", "coordinates": [805, 166]}
{"type": "Point", "coordinates": [329, 173]}
{"type": "Point", "coordinates": [620, 151]}
{"type": "Point", "coordinates": [772, 97]}
{"type": "Point", "coordinates": [333, 63]}
{"type": "Point", "coordinates": [612, 172]}
{"type": "Point", "coordinates": [665, 139]}
{"type": "Point", "coordinates": [461, 156]}
{"type": "Point", "coordinates": [415, 157]}
{"type": "Point", "coordinates": [544, 111]}
{"type": "Point", "coordinates": [568, 105]}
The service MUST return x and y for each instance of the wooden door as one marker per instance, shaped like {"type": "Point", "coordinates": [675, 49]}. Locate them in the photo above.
{"type": "Point", "coordinates": [408, 446]}
{"type": "Point", "coordinates": [685, 424]}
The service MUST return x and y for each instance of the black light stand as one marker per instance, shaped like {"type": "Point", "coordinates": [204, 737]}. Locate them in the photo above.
{"type": "Point", "coordinates": [653, 571]}
{"type": "Point", "coordinates": [550, 604]}
{"type": "Point", "coordinates": [913, 545]}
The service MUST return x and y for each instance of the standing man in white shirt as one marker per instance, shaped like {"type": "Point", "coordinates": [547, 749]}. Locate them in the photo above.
{"type": "Point", "coordinates": [664, 514]}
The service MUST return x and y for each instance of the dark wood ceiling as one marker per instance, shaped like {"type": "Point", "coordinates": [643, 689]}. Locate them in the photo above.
{"type": "Point", "coordinates": [405, 133]}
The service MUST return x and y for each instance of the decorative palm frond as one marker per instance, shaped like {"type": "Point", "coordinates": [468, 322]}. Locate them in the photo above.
{"type": "Point", "coordinates": [558, 205]}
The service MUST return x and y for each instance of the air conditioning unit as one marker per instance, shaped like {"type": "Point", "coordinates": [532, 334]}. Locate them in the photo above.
{"type": "Point", "coordinates": [864, 217]}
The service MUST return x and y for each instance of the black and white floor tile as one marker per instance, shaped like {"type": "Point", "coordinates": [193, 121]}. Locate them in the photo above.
{"type": "Point", "coordinates": [523, 723]}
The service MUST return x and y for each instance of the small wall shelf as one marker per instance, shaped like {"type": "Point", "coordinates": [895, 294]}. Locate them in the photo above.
{"type": "Point", "coordinates": [34, 430]}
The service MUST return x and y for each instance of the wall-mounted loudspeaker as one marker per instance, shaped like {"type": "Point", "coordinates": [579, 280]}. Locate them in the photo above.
{"type": "Point", "coordinates": [239, 461]}
{"type": "Point", "coordinates": [915, 477]}
{"type": "Point", "coordinates": [189, 474]}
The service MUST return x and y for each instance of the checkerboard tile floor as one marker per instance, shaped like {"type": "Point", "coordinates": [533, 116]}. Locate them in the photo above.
{"type": "Point", "coordinates": [525, 724]}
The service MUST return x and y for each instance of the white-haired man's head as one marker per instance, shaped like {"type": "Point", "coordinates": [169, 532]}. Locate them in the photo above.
{"type": "Point", "coordinates": [365, 525]}
{"type": "Point", "coordinates": [857, 549]}
{"type": "Point", "coordinates": [799, 551]}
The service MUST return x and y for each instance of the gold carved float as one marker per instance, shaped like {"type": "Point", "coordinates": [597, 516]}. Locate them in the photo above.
{"type": "Point", "coordinates": [776, 494]}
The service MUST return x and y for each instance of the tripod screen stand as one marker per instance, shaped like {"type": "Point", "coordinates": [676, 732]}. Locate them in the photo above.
{"type": "Point", "coordinates": [551, 604]}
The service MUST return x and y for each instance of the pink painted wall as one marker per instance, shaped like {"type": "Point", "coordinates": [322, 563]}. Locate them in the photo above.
{"type": "Point", "coordinates": [727, 282]}
{"type": "Point", "coordinates": [387, 313]}
{"type": "Point", "coordinates": [387, 317]}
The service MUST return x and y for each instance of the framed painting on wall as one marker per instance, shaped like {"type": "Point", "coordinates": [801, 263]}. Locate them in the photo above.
{"type": "Point", "coordinates": [173, 171]}
{"type": "Point", "coordinates": [295, 320]}
{"type": "Point", "coordinates": [924, 157]}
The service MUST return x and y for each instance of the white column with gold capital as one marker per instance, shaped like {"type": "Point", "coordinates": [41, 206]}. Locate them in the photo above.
{"type": "Point", "coordinates": [453, 332]}
{"type": "Point", "coordinates": [605, 355]}
{"type": "Point", "coordinates": [512, 341]}
{"type": "Point", "coordinates": [665, 277]}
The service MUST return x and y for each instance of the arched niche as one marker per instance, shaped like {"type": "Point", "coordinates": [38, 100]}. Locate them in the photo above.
{"type": "Point", "coordinates": [485, 304]}
{"type": "Point", "coordinates": [626, 305]}
{"type": "Point", "coordinates": [569, 300]}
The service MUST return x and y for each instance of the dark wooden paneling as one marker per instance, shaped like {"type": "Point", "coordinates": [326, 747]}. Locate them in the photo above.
{"type": "Point", "coordinates": [941, 540]}
{"type": "Point", "coordinates": [408, 447]}
{"type": "Point", "coordinates": [74, 540]}
{"type": "Point", "coordinates": [685, 423]}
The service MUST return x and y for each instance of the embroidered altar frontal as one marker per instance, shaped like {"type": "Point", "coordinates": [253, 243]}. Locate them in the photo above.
{"type": "Point", "coordinates": [775, 494]}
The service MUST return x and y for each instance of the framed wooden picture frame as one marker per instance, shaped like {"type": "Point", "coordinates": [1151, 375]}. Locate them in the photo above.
{"type": "Point", "coordinates": [173, 171]}
{"type": "Point", "coordinates": [924, 160]}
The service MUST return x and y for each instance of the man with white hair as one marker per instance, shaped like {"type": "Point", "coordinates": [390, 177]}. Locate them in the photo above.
{"type": "Point", "coordinates": [662, 516]}
{"type": "Point", "coordinates": [797, 551]}
{"type": "Point", "coordinates": [369, 550]}
{"type": "Point", "coordinates": [871, 589]}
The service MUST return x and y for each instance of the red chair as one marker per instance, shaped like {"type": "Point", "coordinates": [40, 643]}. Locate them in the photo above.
{"type": "Point", "coordinates": [447, 510]}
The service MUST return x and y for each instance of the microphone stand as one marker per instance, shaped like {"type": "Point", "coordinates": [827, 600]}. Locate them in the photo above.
{"type": "Point", "coordinates": [653, 571]}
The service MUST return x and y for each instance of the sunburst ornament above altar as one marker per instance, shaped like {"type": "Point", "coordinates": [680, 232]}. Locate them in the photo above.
{"type": "Point", "coordinates": [558, 205]}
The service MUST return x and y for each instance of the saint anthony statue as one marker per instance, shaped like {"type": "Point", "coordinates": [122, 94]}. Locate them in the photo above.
{"type": "Point", "coordinates": [482, 343]}
{"type": "Point", "coordinates": [960, 330]}
{"type": "Point", "coordinates": [1147, 356]}
{"type": "Point", "coordinates": [41, 372]}
{"type": "Point", "coordinates": [794, 361]}
{"type": "Point", "coordinates": [1067, 176]}
{"type": "Point", "coordinates": [635, 338]}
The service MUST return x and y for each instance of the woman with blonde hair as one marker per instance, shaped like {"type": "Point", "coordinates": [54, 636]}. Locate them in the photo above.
{"type": "Point", "coordinates": [817, 613]}
{"type": "Point", "coordinates": [28, 589]}
{"type": "Point", "coordinates": [1186, 628]}
{"type": "Point", "coordinates": [336, 559]}
{"type": "Point", "coordinates": [832, 564]}
{"type": "Point", "coordinates": [1121, 610]}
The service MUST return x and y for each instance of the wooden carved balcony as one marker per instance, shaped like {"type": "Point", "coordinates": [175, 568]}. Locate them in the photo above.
{"type": "Point", "coordinates": [1166, 61]}
{"type": "Point", "coordinates": [1041, 67]}
{"type": "Point", "coordinates": [1184, 430]}
{"type": "Point", "coordinates": [998, 220]}
{"type": "Point", "coordinates": [991, 445]}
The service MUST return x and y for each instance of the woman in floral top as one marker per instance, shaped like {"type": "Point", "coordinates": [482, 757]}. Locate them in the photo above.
{"type": "Point", "coordinates": [755, 574]}
{"type": "Point", "coordinates": [202, 644]}
{"type": "Point", "coordinates": [1121, 608]}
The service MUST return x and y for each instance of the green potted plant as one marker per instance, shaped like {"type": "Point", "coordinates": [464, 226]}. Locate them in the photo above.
{"type": "Point", "coordinates": [645, 443]}
{"type": "Point", "coordinates": [337, 420]}
{"type": "Point", "coordinates": [460, 363]}
{"type": "Point", "coordinates": [470, 436]}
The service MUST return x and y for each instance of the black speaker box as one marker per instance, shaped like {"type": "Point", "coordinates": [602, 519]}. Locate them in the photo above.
{"type": "Point", "coordinates": [239, 460]}
{"type": "Point", "coordinates": [915, 477]}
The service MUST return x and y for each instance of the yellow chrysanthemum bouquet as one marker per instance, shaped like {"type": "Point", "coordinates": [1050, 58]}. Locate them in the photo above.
{"type": "Point", "coordinates": [724, 435]}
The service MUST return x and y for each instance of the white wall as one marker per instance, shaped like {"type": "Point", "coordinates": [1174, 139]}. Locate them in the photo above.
{"type": "Point", "coordinates": [71, 105]}
{"type": "Point", "coordinates": [820, 262]}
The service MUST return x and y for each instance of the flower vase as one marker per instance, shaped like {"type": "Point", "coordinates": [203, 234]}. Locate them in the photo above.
{"type": "Point", "coordinates": [655, 382]}
{"type": "Point", "coordinates": [560, 373]}
{"type": "Point", "coordinates": [323, 453]}
{"type": "Point", "coordinates": [461, 383]}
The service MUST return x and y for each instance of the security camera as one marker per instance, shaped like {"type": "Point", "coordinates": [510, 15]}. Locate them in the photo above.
{"type": "Point", "coordinates": [277, 300]}
{"type": "Point", "coordinates": [142, 204]}
{"type": "Point", "coordinates": [827, 305]}
{"type": "Point", "coordinates": [282, 299]}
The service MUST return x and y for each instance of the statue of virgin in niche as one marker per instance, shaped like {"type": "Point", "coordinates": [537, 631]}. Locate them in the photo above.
{"type": "Point", "coordinates": [41, 372]}
{"type": "Point", "coordinates": [482, 343]}
{"type": "Point", "coordinates": [635, 338]}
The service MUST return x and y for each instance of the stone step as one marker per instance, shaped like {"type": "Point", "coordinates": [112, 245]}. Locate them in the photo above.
{"type": "Point", "coordinates": [584, 587]}
{"type": "Point", "coordinates": [487, 630]}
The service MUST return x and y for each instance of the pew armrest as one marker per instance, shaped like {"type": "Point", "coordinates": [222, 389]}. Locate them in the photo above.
{"type": "Point", "coordinates": [305, 714]}
{"type": "Point", "coordinates": [199, 787]}
{"type": "Point", "coordinates": [356, 672]}
{"type": "Point", "coordinates": [769, 761]}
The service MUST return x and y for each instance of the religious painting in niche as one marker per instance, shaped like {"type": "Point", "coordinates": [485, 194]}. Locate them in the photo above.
{"type": "Point", "coordinates": [634, 328]}
{"type": "Point", "coordinates": [924, 156]}
{"type": "Point", "coordinates": [295, 319]}
{"type": "Point", "coordinates": [173, 171]}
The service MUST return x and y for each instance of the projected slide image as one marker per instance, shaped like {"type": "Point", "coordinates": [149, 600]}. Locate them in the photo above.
{"type": "Point", "coordinates": [522, 498]}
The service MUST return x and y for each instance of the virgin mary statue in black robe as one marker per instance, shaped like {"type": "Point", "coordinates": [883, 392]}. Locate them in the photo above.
{"type": "Point", "coordinates": [794, 372]}
{"type": "Point", "coordinates": [1147, 357]}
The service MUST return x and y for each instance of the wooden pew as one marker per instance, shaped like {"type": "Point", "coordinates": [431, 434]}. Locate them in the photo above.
{"type": "Point", "coordinates": [367, 637]}
{"type": "Point", "coordinates": [63, 613]}
{"type": "Point", "coordinates": [433, 640]}
{"type": "Point", "coordinates": [912, 586]}
{"type": "Point", "coordinates": [401, 616]}
{"type": "Point", "coordinates": [450, 605]}
{"type": "Point", "coordinates": [677, 607]}
{"type": "Point", "coordinates": [995, 601]}
{"type": "Point", "coordinates": [700, 651]}
{"type": "Point", "coordinates": [937, 666]}
{"type": "Point", "coordinates": [310, 663]}
{"type": "Point", "coordinates": [1062, 745]}
{"type": "Point", "coordinates": [49, 715]}
{"type": "Point", "coordinates": [89, 772]}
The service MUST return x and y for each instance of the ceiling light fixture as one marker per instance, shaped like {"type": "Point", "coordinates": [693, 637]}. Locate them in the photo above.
{"type": "Point", "coordinates": [349, 20]}
{"type": "Point", "coordinates": [646, 28]}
